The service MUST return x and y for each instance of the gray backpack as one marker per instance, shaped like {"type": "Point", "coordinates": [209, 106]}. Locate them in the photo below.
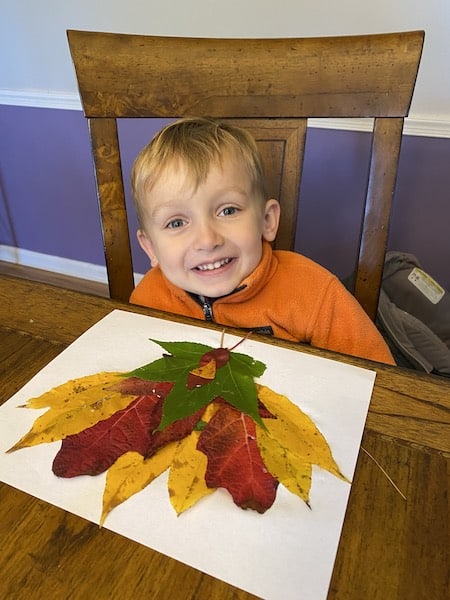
{"type": "Point", "coordinates": [414, 315]}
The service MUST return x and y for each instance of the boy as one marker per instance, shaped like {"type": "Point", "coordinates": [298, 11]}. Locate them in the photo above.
{"type": "Point", "coordinates": [206, 225]}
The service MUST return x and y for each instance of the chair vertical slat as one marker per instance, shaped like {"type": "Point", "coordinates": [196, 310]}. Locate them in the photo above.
{"type": "Point", "coordinates": [384, 158]}
{"type": "Point", "coordinates": [294, 150]}
{"type": "Point", "coordinates": [111, 199]}
{"type": "Point", "coordinates": [281, 143]}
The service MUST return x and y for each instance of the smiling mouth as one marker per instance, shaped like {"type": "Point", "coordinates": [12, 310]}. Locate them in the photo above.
{"type": "Point", "coordinates": [213, 266]}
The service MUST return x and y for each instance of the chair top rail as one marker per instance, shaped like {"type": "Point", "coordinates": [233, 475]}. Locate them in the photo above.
{"type": "Point", "coordinates": [347, 76]}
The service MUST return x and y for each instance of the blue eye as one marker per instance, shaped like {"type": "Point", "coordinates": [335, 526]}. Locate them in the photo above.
{"type": "Point", "coordinates": [175, 224]}
{"type": "Point", "coordinates": [229, 210]}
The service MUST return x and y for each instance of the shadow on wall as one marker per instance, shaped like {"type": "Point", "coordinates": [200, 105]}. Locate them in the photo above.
{"type": "Point", "coordinates": [7, 231]}
{"type": "Point", "coordinates": [331, 197]}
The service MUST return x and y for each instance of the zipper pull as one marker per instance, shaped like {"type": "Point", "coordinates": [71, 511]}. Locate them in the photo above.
{"type": "Point", "coordinates": [207, 309]}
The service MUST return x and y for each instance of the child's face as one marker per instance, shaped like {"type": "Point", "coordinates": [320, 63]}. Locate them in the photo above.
{"type": "Point", "coordinates": [207, 240]}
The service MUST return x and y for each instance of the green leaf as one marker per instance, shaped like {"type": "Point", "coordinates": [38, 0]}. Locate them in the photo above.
{"type": "Point", "coordinates": [235, 388]}
{"type": "Point", "coordinates": [184, 356]}
{"type": "Point", "coordinates": [246, 364]}
{"type": "Point", "coordinates": [239, 390]}
{"type": "Point", "coordinates": [168, 368]}
{"type": "Point", "coordinates": [182, 402]}
{"type": "Point", "coordinates": [234, 381]}
{"type": "Point", "coordinates": [192, 350]}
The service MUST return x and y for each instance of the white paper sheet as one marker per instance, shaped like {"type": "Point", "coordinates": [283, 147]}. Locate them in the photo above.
{"type": "Point", "coordinates": [289, 551]}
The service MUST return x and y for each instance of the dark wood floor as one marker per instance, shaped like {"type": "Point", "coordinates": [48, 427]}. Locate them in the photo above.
{"type": "Point", "coordinates": [72, 283]}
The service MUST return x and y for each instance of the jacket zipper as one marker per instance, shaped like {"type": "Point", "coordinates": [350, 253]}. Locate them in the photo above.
{"type": "Point", "coordinates": [207, 308]}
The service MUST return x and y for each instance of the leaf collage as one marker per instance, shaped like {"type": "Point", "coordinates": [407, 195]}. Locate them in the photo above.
{"type": "Point", "coordinates": [197, 412]}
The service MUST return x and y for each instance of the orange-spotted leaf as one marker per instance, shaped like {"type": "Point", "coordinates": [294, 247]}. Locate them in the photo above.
{"type": "Point", "coordinates": [187, 474]}
{"type": "Point", "coordinates": [140, 387]}
{"type": "Point", "coordinates": [131, 473]}
{"type": "Point", "coordinates": [292, 443]}
{"type": "Point", "coordinates": [74, 406]}
{"type": "Point", "coordinates": [74, 392]}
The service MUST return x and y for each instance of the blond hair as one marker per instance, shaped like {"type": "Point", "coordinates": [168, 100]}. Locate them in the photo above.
{"type": "Point", "coordinates": [197, 143]}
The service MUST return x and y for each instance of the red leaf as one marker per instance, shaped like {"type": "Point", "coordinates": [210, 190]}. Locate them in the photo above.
{"type": "Point", "coordinates": [264, 412]}
{"type": "Point", "coordinates": [142, 387]}
{"type": "Point", "coordinates": [175, 431]}
{"type": "Point", "coordinates": [202, 374]}
{"type": "Point", "coordinates": [95, 449]}
{"type": "Point", "coordinates": [220, 355]}
{"type": "Point", "coordinates": [206, 371]}
{"type": "Point", "coordinates": [234, 460]}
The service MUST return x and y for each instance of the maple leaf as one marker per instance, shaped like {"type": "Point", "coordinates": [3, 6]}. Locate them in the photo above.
{"type": "Point", "coordinates": [140, 387]}
{"type": "Point", "coordinates": [291, 444]}
{"type": "Point", "coordinates": [187, 483]}
{"type": "Point", "coordinates": [234, 460]}
{"type": "Point", "coordinates": [131, 473]}
{"type": "Point", "coordinates": [95, 449]}
{"type": "Point", "coordinates": [202, 374]}
{"type": "Point", "coordinates": [74, 406]}
{"type": "Point", "coordinates": [228, 374]}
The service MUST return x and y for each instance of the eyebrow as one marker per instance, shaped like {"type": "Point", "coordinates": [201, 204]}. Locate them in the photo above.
{"type": "Point", "coordinates": [170, 205]}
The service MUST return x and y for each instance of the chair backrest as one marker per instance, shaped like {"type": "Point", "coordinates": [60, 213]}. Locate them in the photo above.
{"type": "Point", "coordinates": [270, 86]}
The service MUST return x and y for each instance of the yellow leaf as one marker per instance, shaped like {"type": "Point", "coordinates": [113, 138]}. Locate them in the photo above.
{"type": "Point", "coordinates": [131, 473]}
{"type": "Point", "coordinates": [293, 473]}
{"type": "Point", "coordinates": [291, 444]}
{"type": "Point", "coordinates": [73, 392]}
{"type": "Point", "coordinates": [187, 475]}
{"type": "Point", "coordinates": [74, 406]}
{"type": "Point", "coordinates": [207, 371]}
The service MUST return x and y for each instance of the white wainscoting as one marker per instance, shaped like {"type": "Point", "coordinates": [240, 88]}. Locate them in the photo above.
{"type": "Point", "coordinates": [414, 125]}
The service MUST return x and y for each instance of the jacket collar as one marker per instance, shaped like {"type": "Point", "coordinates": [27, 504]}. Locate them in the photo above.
{"type": "Point", "coordinates": [251, 285]}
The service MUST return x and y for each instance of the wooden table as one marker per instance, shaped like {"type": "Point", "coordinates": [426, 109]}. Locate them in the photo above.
{"type": "Point", "coordinates": [390, 549]}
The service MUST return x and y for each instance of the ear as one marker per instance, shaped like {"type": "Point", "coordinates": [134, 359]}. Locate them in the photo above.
{"type": "Point", "coordinates": [271, 219]}
{"type": "Point", "coordinates": [147, 246]}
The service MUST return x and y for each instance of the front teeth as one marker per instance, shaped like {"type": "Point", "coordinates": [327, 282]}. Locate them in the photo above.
{"type": "Point", "coordinates": [215, 265]}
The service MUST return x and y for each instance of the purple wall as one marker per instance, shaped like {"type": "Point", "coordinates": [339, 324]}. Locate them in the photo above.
{"type": "Point", "coordinates": [48, 201]}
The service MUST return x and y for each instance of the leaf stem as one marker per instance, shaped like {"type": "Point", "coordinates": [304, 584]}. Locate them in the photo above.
{"type": "Point", "coordinates": [241, 341]}
{"type": "Point", "coordinates": [384, 473]}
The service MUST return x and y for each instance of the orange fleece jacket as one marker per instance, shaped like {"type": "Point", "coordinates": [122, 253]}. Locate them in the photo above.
{"type": "Point", "coordinates": [294, 296]}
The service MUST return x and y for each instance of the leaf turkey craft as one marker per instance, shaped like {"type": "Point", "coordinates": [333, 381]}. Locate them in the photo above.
{"type": "Point", "coordinates": [197, 412]}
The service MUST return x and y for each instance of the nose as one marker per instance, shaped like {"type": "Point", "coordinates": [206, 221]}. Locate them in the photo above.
{"type": "Point", "coordinates": [207, 235]}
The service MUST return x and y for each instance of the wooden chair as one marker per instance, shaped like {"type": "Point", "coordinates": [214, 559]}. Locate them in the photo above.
{"type": "Point", "coordinates": [270, 86]}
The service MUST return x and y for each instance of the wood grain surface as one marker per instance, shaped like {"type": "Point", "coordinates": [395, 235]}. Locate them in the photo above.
{"type": "Point", "coordinates": [391, 548]}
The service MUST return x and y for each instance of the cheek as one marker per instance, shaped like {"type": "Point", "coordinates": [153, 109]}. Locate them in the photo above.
{"type": "Point", "coordinates": [169, 253]}
{"type": "Point", "coordinates": [253, 233]}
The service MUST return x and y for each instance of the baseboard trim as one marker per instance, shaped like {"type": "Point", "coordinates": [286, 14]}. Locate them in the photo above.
{"type": "Point", "coordinates": [57, 264]}
{"type": "Point", "coordinates": [418, 125]}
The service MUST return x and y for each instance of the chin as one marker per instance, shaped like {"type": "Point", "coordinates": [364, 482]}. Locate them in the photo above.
{"type": "Point", "coordinates": [216, 292]}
